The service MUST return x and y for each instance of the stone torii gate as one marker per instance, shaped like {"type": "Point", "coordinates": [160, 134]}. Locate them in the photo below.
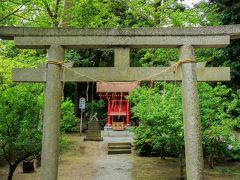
{"type": "Point", "coordinates": [56, 40]}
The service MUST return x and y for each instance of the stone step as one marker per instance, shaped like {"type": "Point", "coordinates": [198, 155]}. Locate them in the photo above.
{"type": "Point", "coordinates": [120, 147]}
{"type": "Point", "coordinates": [119, 151]}
{"type": "Point", "coordinates": [119, 144]}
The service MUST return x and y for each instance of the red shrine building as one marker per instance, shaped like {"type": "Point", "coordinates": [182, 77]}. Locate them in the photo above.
{"type": "Point", "coordinates": [118, 106]}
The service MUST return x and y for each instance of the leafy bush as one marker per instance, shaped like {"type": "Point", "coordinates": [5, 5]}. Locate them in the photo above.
{"type": "Point", "coordinates": [161, 123]}
{"type": "Point", "coordinates": [160, 116]}
{"type": "Point", "coordinates": [96, 106]}
{"type": "Point", "coordinates": [68, 118]}
{"type": "Point", "coordinates": [20, 123]}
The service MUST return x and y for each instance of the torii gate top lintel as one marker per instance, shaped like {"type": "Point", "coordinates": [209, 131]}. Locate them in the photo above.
{"type": "Point", "coordinates": [28, 37]}
{"type": "Point", "coordinates": [9, 33]}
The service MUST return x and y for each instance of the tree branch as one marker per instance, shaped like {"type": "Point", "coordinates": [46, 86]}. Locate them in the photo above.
{"type": "Point", "coordinates": [7, 157]}
{"type": "Point", "coordinates": [12, 13]}
{"type": "Point", "coordinates": [57, 8]}
{"type": "Point", "coordinates": [48, 9]}
{"type": "Point", "coordinates": [66, 14]}
{"type": "Point", "coordinates": [22, 17]}
{"type": "Point", "coordinates": [50, 13]}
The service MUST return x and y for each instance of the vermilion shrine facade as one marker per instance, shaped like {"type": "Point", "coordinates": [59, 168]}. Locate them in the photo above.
{"type": "Point", "coordinates": [118, 105]}
{"type": "Point", "coordinates": [187, 70]}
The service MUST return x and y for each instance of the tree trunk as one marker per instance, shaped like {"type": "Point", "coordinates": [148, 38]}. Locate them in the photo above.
{"type": "Point", "coordinates": [181, 164]}
{"type": "Point", "coordinates": [66, 15]}
{"type": "Point", "coordinates": [157, 4]}
{"type": "Point", "coordinates": [98, 58]}
{"type": "Point", "coordinates": [76, 99]}
{"type": "Point", "coordinates": [163, 152]}
{"type": "Point", "coordinates": [12, 168]}
{"type": "Point", "coordinates": [211, 155]}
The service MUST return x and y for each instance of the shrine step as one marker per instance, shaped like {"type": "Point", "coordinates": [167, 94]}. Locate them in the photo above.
{"type": "Point", "coordinates": [119, 144]}
{"type": "Point", "coordinates": [119, 148]}
{"type": "Point", "coordinates": [119, 151]}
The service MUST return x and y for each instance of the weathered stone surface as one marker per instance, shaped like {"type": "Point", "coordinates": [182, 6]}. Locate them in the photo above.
{"type": "Point", "coordinates": [124, 41]}
{"type": "Point", "coordinates": [29, 75]}
{"type": "Point", "coordinates": [103, 87]}
{"type": "Point", "coordinates": [119, 148]}
{"type": "Point", "coordinates": [109, 74]}
{"type": "Point", "coordinates": [93, 132]}
{"type": "Point", "coordinates": [232, 30]}
{"type": "Point", "coordinates": [121, 58]}
{"type": "Point", "coordinates": [93, 125]}
{"type": "Point", "coordinates": [52, 114]}
{"type": "Point", "coordinates": [191, 116]}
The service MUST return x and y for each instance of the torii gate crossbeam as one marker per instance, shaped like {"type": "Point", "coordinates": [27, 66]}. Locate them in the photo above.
{"type": "Point", "coordinates": [56, 40]}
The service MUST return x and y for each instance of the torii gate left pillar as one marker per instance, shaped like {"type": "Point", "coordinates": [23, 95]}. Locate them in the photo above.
{"type": "Point", "coordinates": [52, 114]}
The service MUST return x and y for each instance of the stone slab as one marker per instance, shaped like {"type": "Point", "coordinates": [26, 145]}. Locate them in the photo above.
{"type": "Point", "coordinates": [122, 41]}
{"type": "Point", "coordinates": [29, 75]}
{"type": "Point", "coordinates": [117, 144]}
{"type": "Point", "coordinates": [119, 147]}
{"type": "Point", "coordinates": [93, 133]}
{"type": "Point", "coordinates": [109, 74]}
{"type": "Point", "coordinates": [93, 139]}
{"type": "Point", "coordinates": [122, 57]}
{"type": "Point", "coordinates": [113, 134]}
{"type": "Point", "coordinates": [119, 151]}
{"type": "Point", "coordinates": [103, 87]}
{"type": "Point", "coordinates": [11, 32]}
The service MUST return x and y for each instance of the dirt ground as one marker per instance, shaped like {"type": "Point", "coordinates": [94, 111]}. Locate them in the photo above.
{"type": "Point", "coordinates": [89, 161]}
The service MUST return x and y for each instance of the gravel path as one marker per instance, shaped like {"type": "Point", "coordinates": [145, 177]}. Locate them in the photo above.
{"type": "Point", "coordinates": [115, 167]}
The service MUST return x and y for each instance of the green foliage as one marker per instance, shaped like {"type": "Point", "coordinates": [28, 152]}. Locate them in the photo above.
{"type": "Point", "coordinates": [11, 57]}
{"type": "Point", "coordinates": [113, 14]}
{"type": "Point", "coordinates": [160, 116]}
{"type": "Point", "coordinates": [63, 143]}
{"type": "Point", "coordinates": [20, 122]}
{"type": "Point", "coordinates": [230, 56]}
{"type": "Point", "coordinates": [68, 118]}
{"type": "Point", "coordinates": [218, 120]}
{"type": "Point", "coordinates": [96, 106]}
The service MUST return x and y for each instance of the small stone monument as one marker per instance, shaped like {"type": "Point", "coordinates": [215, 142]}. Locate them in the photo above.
{"type": "Point", "coordinates": [93, 132]}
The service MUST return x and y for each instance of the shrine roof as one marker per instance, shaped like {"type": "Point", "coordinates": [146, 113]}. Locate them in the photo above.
{"type": "Point", "coordinates": [11, 32]}
{"type": "Point", "coordinates": [103, 87]}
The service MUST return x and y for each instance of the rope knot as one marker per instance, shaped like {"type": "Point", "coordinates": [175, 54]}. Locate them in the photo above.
{"type": "Point", "coordinates": [55, 62]}
{"type": "Point", "coordinates": [182, 61]}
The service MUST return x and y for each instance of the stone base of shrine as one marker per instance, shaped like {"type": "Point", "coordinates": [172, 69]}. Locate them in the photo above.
{"type": "Point", "coordinates": [108, 132]}
{"type": "Point", "coordinates": [110, 128]}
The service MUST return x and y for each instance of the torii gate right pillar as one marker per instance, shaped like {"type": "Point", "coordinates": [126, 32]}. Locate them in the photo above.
{"type": "Point", "coordinates": [191, 116]}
